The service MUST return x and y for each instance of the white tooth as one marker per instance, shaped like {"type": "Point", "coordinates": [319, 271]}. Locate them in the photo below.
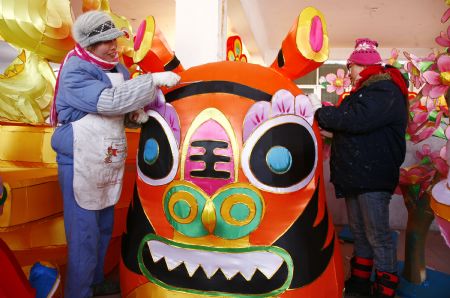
{"type": "Point", "coordinates": [156, 255]}
{"type": "Point", "coordinates": [248, 272]}
{"type": "Point", "coordinates": [191, 268]}
{"type": "Point", "coordinates": [230, 264]}
{"type": "Point", "coordinates": [210, 269]}
{"type": "Point", "coordinates": [229, 273]}
{"type": "Point", "coordinates": [156, 258]}
{"type": "Point", "coordinates": [172, 264]}
{"type": "Point", "coordinates": [268, 271]}
{"type": "Point", "coordinates": [270, 265]}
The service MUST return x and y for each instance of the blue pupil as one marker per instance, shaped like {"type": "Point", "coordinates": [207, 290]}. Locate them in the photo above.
{"type": "Point", "coordinates": [279, 159]}
{"type": "Point", "coordinates": [151, 151]}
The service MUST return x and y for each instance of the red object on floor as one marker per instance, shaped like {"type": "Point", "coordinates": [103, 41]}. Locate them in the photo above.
{"type": "Point", "coordinates": [13, 282]}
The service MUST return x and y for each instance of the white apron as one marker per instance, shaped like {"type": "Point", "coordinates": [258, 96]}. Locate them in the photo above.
{"type": "Point", "coordinates": [99, 153]}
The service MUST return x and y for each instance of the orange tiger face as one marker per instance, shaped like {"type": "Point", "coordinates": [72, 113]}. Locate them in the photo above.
{"type": "Point", "coordinates": [229, 198]}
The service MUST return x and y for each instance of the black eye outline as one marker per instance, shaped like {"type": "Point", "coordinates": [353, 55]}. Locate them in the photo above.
{"type": "Point", "coordinates": [259, 133]}
{"type": "Point", "coordinates": [160, 172]}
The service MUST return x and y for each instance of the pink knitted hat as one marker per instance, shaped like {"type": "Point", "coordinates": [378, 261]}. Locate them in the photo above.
{"type": "Point", "coordinates": [365, 52]}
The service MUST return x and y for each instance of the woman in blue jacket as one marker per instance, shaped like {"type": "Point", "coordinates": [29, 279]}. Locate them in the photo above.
{"type": "Point", "coordinates": [93, 93]}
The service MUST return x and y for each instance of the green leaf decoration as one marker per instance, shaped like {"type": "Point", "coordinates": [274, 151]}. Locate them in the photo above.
{"type": "Point", "coordinates": [405, 75]}
{"type": "Point", "coordinates": [432, 116]}
{"type": "Point", "coordinates": [439, 132]}
{"type": "Point", "coordinates": [414, 190]}
{"type": "Point", "coordinates": [398, 65]}
{"type": "Point", "coordinates": [425, 65]}
{"type": "Point", "coordinates": [425, 161]}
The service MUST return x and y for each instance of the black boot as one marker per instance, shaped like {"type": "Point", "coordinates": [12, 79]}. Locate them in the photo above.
{"type": "Point", "coordinates": [359, 282]}
{"type": "Point", "coordinates": [385, 284]}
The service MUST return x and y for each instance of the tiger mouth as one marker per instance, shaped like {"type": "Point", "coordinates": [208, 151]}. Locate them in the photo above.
{"type": "Point", "coordinates": [260, 271]}
{"type": "Point", "coordinates": [305, 244]}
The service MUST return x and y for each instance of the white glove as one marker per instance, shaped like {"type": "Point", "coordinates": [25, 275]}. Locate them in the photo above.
{"type": "Point", "coordinates": [166, 79]}
{"type": "Point", "coordinates": [138, 116]}
{"type": "Point", "coordinates": [315, 101]}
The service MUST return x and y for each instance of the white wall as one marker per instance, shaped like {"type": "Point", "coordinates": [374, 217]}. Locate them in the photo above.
{"type": "Point", "coordinates": [200, 31]}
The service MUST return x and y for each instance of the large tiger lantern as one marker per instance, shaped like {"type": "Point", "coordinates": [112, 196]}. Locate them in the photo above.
{"type": "Point", "coordinates": [229, 198]}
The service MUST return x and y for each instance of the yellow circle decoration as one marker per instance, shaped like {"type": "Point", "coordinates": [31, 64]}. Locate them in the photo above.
{"type": "Point", "coordinates": [232, 200]}
{"type": "Point", "coordinates": [231, 56]}
{"type": "Point", "coordinates": [304, 25]}
{"type": "Point", "coordinates": [190, 200]}
{"type": "Point", "coordinates": [237, 47]}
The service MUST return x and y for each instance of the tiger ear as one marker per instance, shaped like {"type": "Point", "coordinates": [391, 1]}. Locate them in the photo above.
{"type": "Point", "coordinates": [151, 50]}
{"type": "Point", "coordinates": [305, 47]}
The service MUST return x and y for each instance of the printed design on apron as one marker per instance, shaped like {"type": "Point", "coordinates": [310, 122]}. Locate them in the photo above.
{"type": "Point", "coordinates": [115, 151]}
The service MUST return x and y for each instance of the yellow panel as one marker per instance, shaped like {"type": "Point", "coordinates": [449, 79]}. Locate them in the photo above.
{"type": "Point", "coordinates": [33, 194]}
{"type": "Point", "coordinates": [48, 155]}
{"type": "Point", "coordinates": [48, 232]}
{"type": "Point", "coordinates": [42, 233]}
{"type": "Point", "coordinates": [26, 143]}
{"type": "Point", "coordinates": [20, 177]}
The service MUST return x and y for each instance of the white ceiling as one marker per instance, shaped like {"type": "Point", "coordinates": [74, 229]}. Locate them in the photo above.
{"type": "Point", "coordinates": [263, 24]}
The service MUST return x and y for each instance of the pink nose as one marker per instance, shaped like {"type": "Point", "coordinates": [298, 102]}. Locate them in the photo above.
{"type": "Point", "coordinates": [316, 34]}
{"type": "Point", "coordinates": [209, 161]}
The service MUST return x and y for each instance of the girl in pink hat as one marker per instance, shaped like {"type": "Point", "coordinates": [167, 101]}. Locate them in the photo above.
{"type": "Point", "coordinates": [368, 148]}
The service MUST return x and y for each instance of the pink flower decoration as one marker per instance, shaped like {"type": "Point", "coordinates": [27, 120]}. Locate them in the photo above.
{"type": "Point", "coordinates": [437, 83]}
{"type": "Point", "coordinates": [283, 103]}
{"type": "Point", "coordinates": [432, 160]}
{"type": "Point", "coordinates": [443, 152]}
{"type": "Point", "coordinates": [304, 108]}
{"type": "Point", "coordinates": [420, 135]}
{"type": "Point", "coordinates": [337, 82]}
{"type": "Point", "coordinates": [322, 80]}
{"type": "Point", "coordinates": [412, 67]}
{"type": "Point", "coordinates": [443, 39]}
{"type": "Point", "coordinates": [168, 112]}
{"type": "Point", "coordinates": [422, 125]}
{"type": "Point", "coordinates": [441, 166]}
{"type": "Point", "coordinates": [393, 60]}
{"type": "Point", "coordinates": [427, 154]}
{"type": "Point", "coordinates": [445, 16]}
{"type": "Point", "coordinates": [416, 179]}
{"type": "Point", "coordinates": [257, 114]}
{"type": "Point", "coordinates": [394, 56]}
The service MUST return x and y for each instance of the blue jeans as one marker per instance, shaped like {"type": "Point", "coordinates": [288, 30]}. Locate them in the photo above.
{"type": "Point", "coordinates": [88, 233]}
{"type": "Point", "coordinates": [368, 218]}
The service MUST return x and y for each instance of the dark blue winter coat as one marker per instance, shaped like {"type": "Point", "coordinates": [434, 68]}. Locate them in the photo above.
{"type": "Point", "coordinates": [368, 144]}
